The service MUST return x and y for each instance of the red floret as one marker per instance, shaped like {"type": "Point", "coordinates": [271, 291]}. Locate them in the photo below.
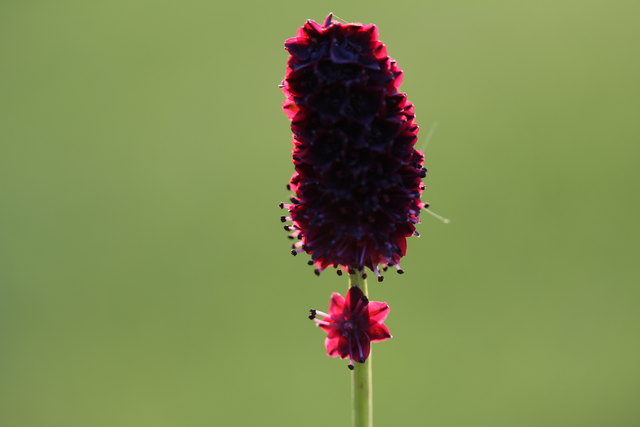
{"type": "Point", "coordinates": [352, 324]}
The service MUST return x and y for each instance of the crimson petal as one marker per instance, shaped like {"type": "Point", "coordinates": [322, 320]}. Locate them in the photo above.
{"type": "Point", "coordinates": [378, 311]}
{"type": "Point", "coordinates": [336, 305]}
{"type": "Point", "coordinates": [379, 332]}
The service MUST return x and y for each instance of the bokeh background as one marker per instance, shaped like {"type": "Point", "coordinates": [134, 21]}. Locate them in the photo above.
{"type": "Point", "coordinates": [145, 279]}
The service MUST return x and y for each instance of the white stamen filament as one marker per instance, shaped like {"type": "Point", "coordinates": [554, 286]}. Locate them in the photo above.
{"type": "Point", "coordinates": [323, 314]}
{"type": "Point", "coordinates": [435, 215]}
{"type": "Point", "coordinates": [434, 126]}
{"type": "Point", "coordinates": [323, 322]}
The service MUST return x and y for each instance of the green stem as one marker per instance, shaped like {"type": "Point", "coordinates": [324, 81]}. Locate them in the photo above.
{"type": "Point", "coordinates": [362, 386]}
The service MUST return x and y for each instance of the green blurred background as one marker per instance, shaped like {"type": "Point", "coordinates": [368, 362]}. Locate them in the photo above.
{"type": "Point", "coordinates": [145, 279]}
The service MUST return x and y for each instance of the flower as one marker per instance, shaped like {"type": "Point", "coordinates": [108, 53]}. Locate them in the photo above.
{"type": "Point", "coordinates": [352, 325]}
{"type": "Point", "coordinates": [358, 179]}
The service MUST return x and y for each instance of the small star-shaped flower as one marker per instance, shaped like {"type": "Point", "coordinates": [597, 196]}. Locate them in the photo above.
{"type": "Point", "coordinates": [352, 324]}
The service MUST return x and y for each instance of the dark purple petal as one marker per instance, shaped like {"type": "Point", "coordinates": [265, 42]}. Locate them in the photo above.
{"type": "Point", "coordinates": [355, 299]}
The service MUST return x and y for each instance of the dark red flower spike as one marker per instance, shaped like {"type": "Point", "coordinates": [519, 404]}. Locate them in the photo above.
{"type": "Point", "coordinates": [358, 179]}
{"type": "Point", "coordinates": [352, 324]}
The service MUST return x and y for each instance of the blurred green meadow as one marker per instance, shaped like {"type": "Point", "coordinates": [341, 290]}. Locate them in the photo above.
{"type": "Point", "coordinates": [145, 279]}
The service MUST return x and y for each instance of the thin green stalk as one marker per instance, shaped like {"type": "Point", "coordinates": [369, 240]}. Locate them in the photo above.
{"type": "Point", "coordinates": [362, 385]}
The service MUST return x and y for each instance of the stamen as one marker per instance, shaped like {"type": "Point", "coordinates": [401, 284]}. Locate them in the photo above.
{"type": "Point", "coordinates": [397, 266]}
{"type": "Point", "coordinates": [360, 305]}
{"type": "Point", "coordinates": [435, 215]}
{"type": "Point", "coordinates": [323, 322]}
{"type": "Point", "coordinates": [377, 273]}
{"type": "Point", "coordinates": [330, 322]}
{"type": "Point", "coordinates": [361, 360]}
{"type": "Point", "coordinates": [434, 126]}
{"type": "Point", "coordinates": [295, 234]}
{"type": "Point", "coordinates": [361, 259]}
{"type": "Point", "coordinates": [320, 313]}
